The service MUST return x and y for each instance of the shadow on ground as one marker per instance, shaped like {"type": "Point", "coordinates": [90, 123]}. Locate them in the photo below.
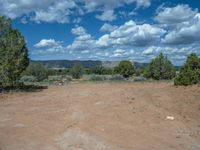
{"type": "Point", "coordinates": [24, 88]}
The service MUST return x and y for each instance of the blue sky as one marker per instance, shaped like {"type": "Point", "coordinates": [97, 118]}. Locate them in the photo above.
{"type": "Point", "coordinates": [107, 29]}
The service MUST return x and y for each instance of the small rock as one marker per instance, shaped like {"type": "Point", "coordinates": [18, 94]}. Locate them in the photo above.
{"type": "Point", "coordinates": [170, 118]}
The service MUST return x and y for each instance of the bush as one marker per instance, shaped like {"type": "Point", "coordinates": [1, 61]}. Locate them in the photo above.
{"type": "Point", "coordinates": [108, 71]}
{"type": "Point", "coordinates": [67, 79]}
{"type": "Point", "coordinates": [57, 72]}
{"type": "Point", "coordinates": [87, 71]}
{"type": "Point", "coordinates": [37, 70]}
{"type": "Point", "coordinates": [54, 78]}
{"type": "Point", "coordinates": [77, 71]}
{"type": "Point", "coordinates": [13, 54]}
{"type": "Point", "coordinates": [190, 72]}
{"type": "Point", "coordinates": [97, 78]}
{"type": "Point", "coordinates": [117, 78]}
{"type": "Point", "coordinates": [59, 79]}
{"type": "Point", "coordinates": [139, 78]}
{"type": "Point", "coordinates": [138, 72]}
{"type": "Point", "coordinates": [97, 70]}
{"type": "Point", "coordinates": [125, 68]}
{"type": "Point", "coordinates": [160, 68]}
{"type": "Point", "coordinates": [28, 79]}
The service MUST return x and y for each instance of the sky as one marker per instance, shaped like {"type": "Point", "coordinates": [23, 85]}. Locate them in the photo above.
{"type": "Point", "coordinates": [136, 30]}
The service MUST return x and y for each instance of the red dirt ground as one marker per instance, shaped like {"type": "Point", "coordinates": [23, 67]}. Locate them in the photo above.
{"type": "Point", "coordinates": [102, 116]}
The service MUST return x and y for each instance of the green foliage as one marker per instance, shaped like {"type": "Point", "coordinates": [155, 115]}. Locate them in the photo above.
{"type": "Point", "coordinates": [55, 78]}
{"type": "Point", "coordinates": [77, 71]}
{"type": "Point", "coordinates": [28, 79]}
{"type": "Point", "coordinates": [87, 71]}
{"type": "Point", "coordinates": [57, 72]}
{"type": "Point", "coordinates": [160, 68]}
{"type": "Point", "coordinates": [125, 68]}
{"type": "Point", "coordinates": [37, 70]}
{"type": "Point", "coordinates": [138, 72]}
{"type": "Point", "coordinates": [139, 79]}
{"type": "Point", "coordinates": [100, 70]}
{"type": "Point", "coordinates": [106, 78]}
{"type": "Point", "coordinates": [97, 70]}
{"type": "Point", "coordinates": [190, 72]}
{"type": "Point", "coordinates": [97, 78]}
{"type": "Point", "coordinates": [117, 78]}
{"type": "Point", "coordinates": [13, 54]}
{"type": "Point", "coordinates": [108, 71]}
{"type": "Point", "coordinates": [61, 79]}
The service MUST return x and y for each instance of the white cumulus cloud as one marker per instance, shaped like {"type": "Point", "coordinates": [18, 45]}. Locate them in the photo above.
{"type": "Point", "coordinates": [108, 27]}
{"type": "Point", "coordinates": [107, 15]}
{"type": "Point", "coordinates": [187, 32]}
{"type": "Point", "coordinates": [62, 11]}
{"type": "Point", "coordinates": [78, 30]}
{"type": "Point", "coordinates": [132, 34]}
{"type": "Point", "coordinates": [47, 43]}
{"type": "Point", "coordinates": [174, 15]}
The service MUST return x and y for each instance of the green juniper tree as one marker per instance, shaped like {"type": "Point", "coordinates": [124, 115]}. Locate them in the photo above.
{"type": "Point", "coordinates": [77, 71]}
{"type": "Point", "coordinates": [13, 54]}
{"type": "Point", "coordinates": [160, 68]}
{"type": "Point", "coordinates": [190, 72]}
{"type": "Point", "coordinates": [125, 68]}
{"type": "Point", "coordinates": [99, 69]}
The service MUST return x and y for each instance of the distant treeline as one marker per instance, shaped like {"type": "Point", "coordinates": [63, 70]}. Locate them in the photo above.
{"type": "Point", "coordinates": [60, 64]}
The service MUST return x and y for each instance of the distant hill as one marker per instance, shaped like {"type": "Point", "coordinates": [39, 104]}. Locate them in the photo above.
{"type": "Point", "coordinates": [67, 63]}
{"type": "Point", "coordinates": [112, 64]}
{"type": "Point", "coordinates": [58, 64]}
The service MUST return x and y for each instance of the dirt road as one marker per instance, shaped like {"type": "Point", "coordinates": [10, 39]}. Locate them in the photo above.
{"type": "Point", "coordinates": [102, 116]}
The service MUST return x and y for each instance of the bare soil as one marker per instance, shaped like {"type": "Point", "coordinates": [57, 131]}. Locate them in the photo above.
{"type": "Point", "coordinates": [102, 116]}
